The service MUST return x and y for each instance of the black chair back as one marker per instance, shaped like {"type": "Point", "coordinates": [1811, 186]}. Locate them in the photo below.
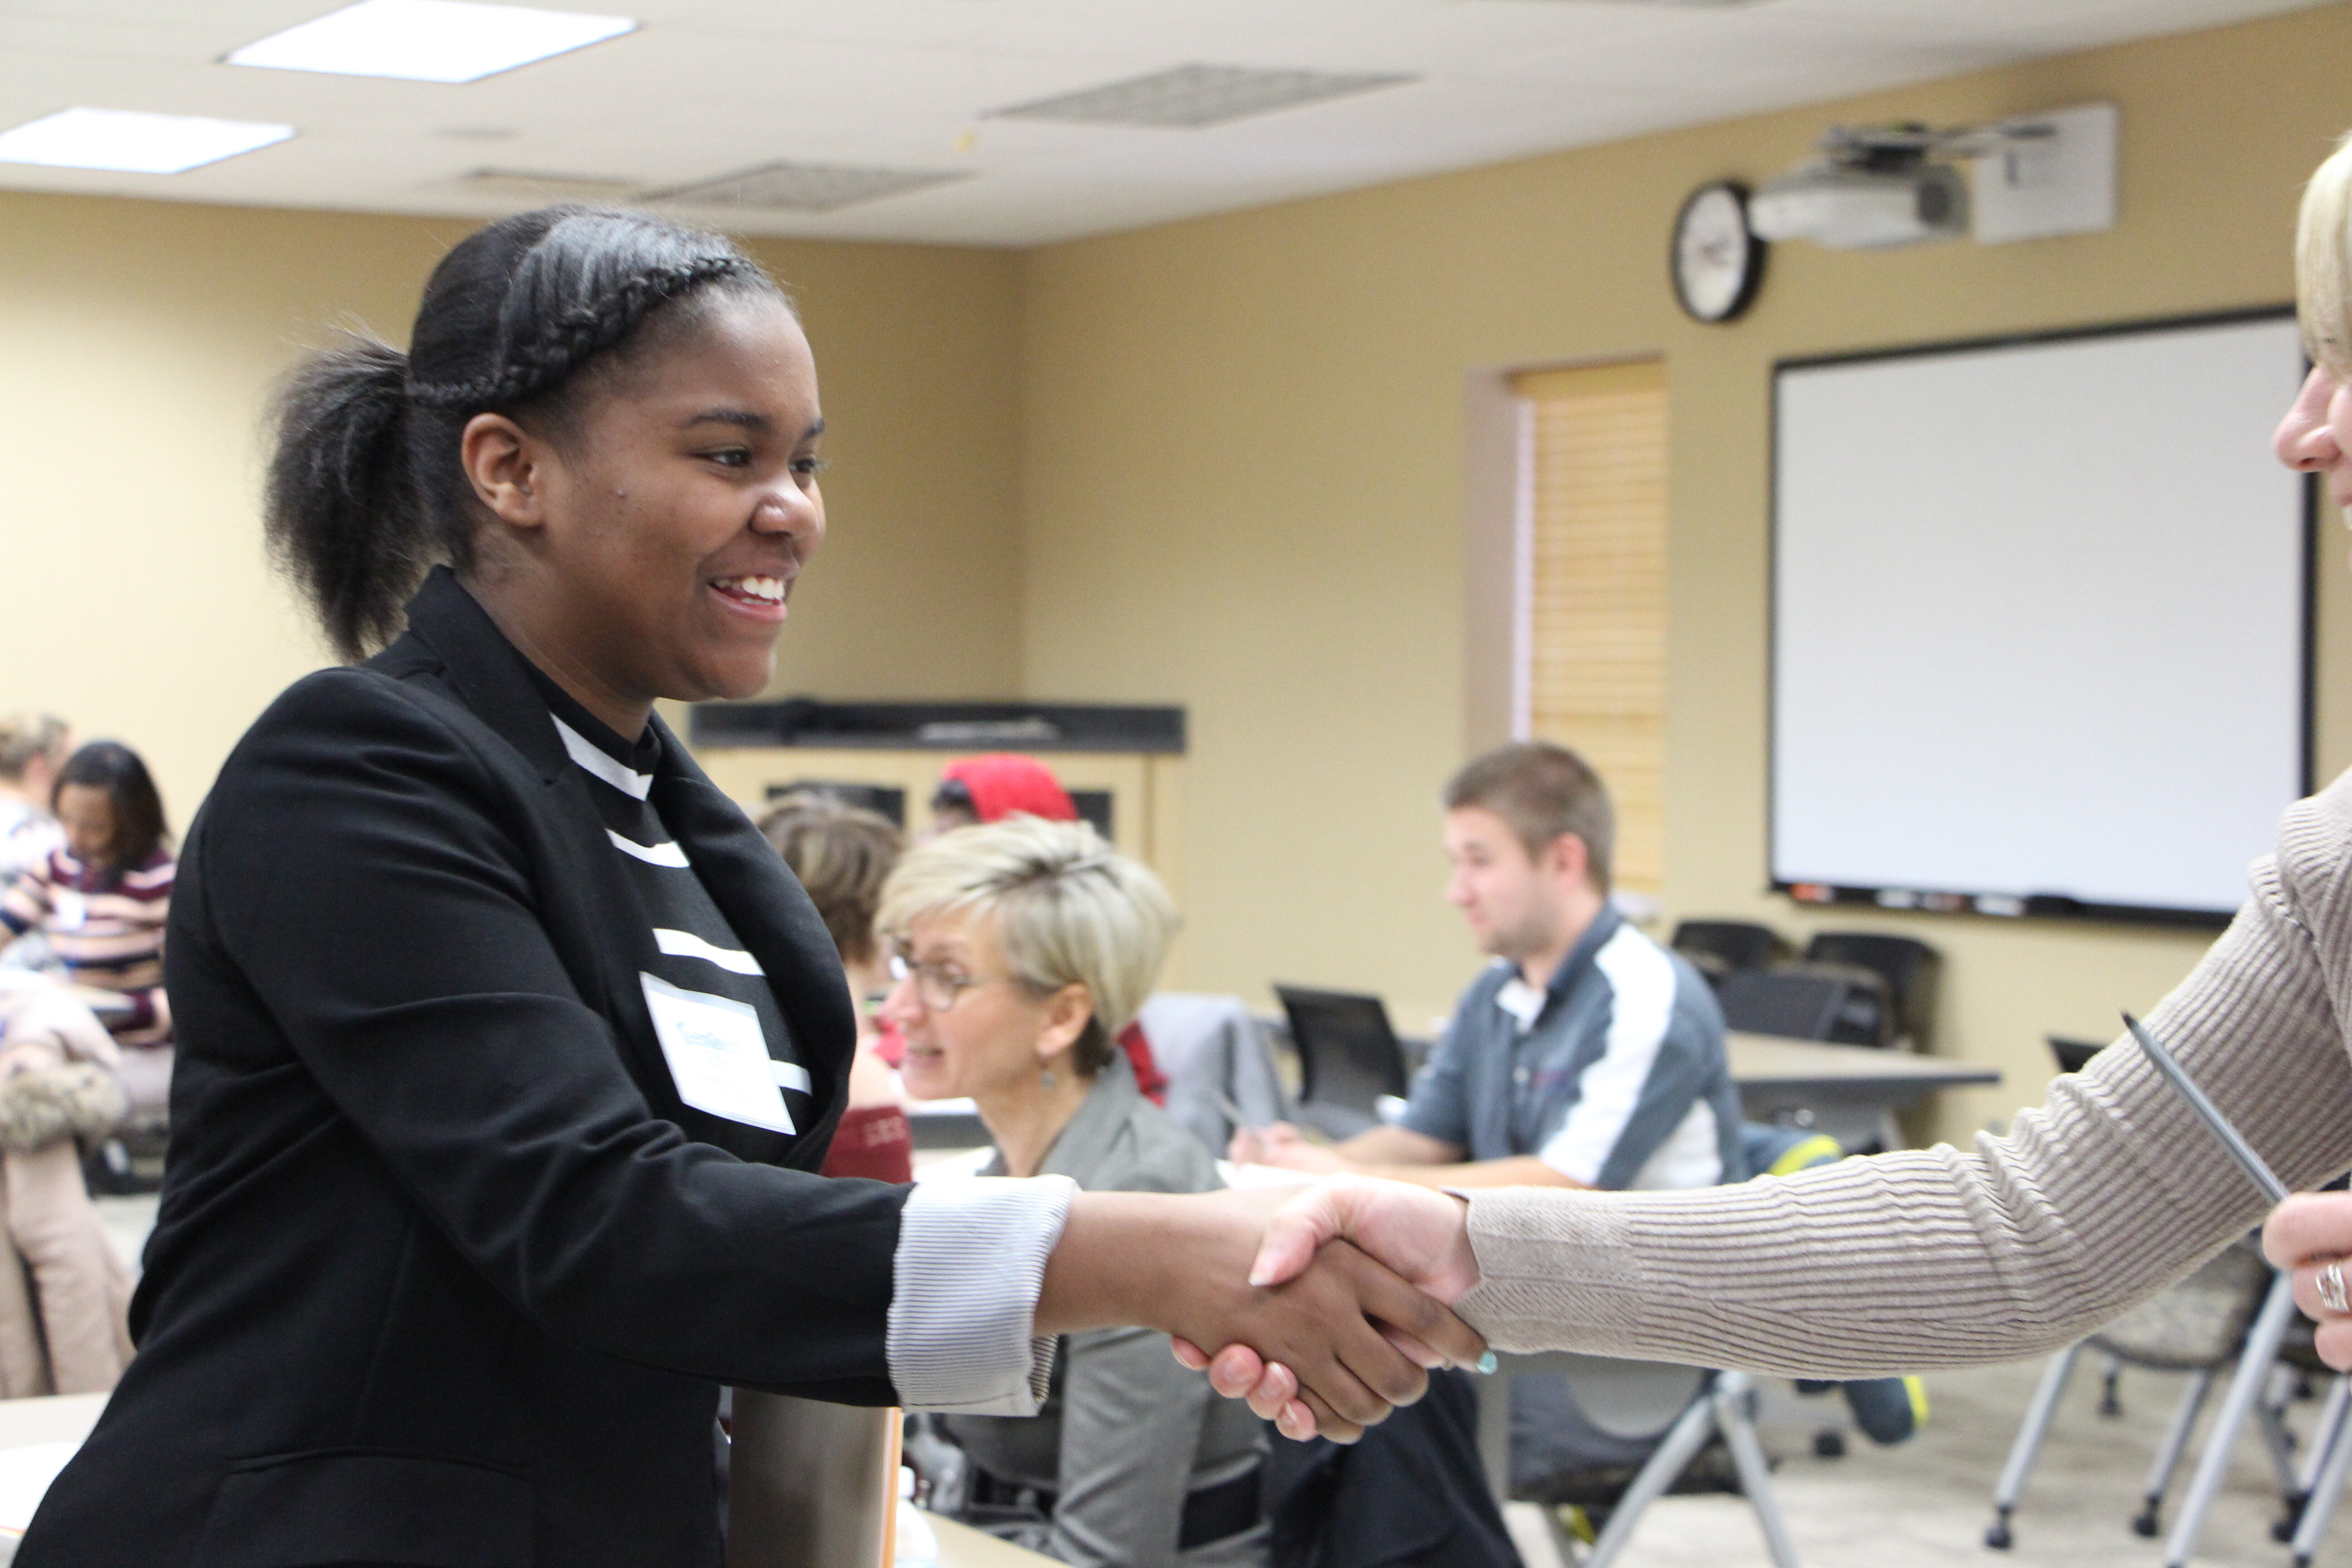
{"type": "Point", "coordinates": [1348, 1058]}
{"type": "Point", "coordinates": [1865, 1015]}
{"type": "Point", "coordinates": [2074, 1055]}
{"type": "Point", "coordinates": [1726, 947]}
{"type": "Point", "coordinates": [1908, 966]}
{"type": "Point", "coordinates": [1799, 1003]}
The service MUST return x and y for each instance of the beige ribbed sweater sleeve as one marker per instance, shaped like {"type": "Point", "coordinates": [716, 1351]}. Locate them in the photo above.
{"type": "Point", "coordinates": [1934, 1257]}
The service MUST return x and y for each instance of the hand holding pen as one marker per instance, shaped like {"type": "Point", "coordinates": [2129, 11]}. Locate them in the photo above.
{"type": "Point", "coordinates": [2309, 1235]}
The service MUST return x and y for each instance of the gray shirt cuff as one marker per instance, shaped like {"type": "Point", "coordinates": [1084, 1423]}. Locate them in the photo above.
{"type": "Point", "coordinates": [970, 1260]}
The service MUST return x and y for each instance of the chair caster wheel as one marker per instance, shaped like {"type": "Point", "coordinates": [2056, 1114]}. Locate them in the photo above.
{"type": "Point", "coordinates": [2145, 1522]}
{"type": "Point", "coordinates": [1999, 1537]}
{"type": "Point", "coordinates": [1830, 1445]}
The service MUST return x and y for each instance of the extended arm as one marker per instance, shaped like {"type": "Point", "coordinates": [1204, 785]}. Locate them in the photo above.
{"type": "Point", "coordinates": [1935, 1257]}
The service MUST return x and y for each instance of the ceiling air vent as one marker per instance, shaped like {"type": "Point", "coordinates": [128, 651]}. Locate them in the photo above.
{"type": "Point", "coordinates": [804, 188]}
{"type": "Point", "coordinates": [538, 186]}
{"type": "Point", "coordinates": [1193, 96]}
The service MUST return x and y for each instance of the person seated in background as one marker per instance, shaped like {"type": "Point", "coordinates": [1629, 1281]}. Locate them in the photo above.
{"type": "Point", "coordinates": [64, 1295]}
{"type": "Point", "coordinates": [842, 856]}
{"type": "Point", "coordinates": [1019, 950]}
{"type": "Point", "coordinates": [1005, 783]}
{"type": "Point", "coordinates": [32, 746]}
{"type": "Point", "coordinates": [101, 899]}
{"type": "Point", "coordinates": [992, 788]}
{"type": "Point", "coordinates": [1585, 1056]}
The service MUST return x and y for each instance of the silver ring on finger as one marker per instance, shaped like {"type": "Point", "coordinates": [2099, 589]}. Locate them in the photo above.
{"type": "Point", "coordinates": [2330, 1286]}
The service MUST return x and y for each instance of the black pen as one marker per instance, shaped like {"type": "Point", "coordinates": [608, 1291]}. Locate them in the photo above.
{"type": "Point", "coordinates": [2220, 1124]}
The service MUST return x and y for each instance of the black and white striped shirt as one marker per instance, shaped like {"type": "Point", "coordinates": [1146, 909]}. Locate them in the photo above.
{"type": "Point", "coordinates": [971, 1255]}
{"type": "Point", "coordinates": [697, 952]}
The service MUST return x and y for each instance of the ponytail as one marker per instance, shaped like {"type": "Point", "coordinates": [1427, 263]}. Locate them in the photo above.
{"type": "Point", "coordinates": [341, 512]}
{"type": "Point", "coordinates": [366, 491]}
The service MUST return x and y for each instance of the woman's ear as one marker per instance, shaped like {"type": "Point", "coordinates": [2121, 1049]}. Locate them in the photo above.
{"type": "Point", "coordinates": [1068, 1011]}
{"type": "Point", "coordinates": [507, 467]}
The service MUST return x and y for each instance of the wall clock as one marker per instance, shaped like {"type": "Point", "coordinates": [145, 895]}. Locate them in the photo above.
{"type": "Point", "coordinates": [1715, 263]}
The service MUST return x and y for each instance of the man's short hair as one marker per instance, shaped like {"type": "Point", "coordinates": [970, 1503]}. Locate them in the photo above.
{"type": "Point", "coordinates": [1542, 791]}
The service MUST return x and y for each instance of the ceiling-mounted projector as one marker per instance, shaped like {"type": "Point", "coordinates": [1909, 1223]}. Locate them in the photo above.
{"type": "Point", "coordinates": [1862, 209]}
{"type": "Point", "coordinates": [1876, 186]}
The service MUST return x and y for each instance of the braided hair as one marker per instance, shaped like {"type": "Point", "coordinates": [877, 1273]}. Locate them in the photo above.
{"type": "Point", "coordinates": [365, 490]}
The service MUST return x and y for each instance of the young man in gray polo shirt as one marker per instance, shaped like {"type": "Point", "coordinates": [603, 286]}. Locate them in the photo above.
{"type": "Point", "coordinates": [1587, 1055]}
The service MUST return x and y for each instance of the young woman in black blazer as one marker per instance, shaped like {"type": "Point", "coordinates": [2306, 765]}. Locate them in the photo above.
{"type": "Point", "coordinates": [508, 1047]}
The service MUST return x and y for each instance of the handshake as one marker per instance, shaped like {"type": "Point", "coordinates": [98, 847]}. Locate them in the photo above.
{"type": "Point", "coordinates": [1329, 1304]}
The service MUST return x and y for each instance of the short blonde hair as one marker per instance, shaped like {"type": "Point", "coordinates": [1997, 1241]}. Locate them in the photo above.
{"type": "Point", "coordinates": [2323, 265]}
{"type": "Point", "coordinates": [27, 738]}
{"type": "Point", "coordinates": [1063, 907]}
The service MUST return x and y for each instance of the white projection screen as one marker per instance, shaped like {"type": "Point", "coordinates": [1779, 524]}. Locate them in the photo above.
{"type": "Point", "coordinates": [2041, 622]}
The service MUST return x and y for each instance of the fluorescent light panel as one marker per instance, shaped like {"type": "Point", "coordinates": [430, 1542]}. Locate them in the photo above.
{"type": "Point", "coordinates": [428, 40]}
{"type": "Point", "coordinates": [133, 143]}
{"type": "Point", "coordinates": [805, 187]}
{"type": "Point", "coordinates": [1189, 96]}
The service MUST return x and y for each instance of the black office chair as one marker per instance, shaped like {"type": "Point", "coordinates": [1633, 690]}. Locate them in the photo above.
{"type": "Point", "coordinates": [1718, 948]}
{"type": "Point", "coordinates": [1834, 1003]}
{"type": "Point", "coordinates": [2074, 1055]}
{"type": "Point", "coordinates": [1866, 1016]}
{"type": "Point", "coordinates": [1348, 1058]}
{"type": "Point", "coordinates": [1909, 967]}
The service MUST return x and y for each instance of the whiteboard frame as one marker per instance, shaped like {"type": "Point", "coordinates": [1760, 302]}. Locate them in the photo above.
{"type": "Point", "coordinates": [1964, 901]}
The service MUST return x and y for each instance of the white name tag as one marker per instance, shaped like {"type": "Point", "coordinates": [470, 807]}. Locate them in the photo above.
{"type": "Point", "coordinates": [718, 1056]}
{"type": "Point", "coordinates": [69, 911]}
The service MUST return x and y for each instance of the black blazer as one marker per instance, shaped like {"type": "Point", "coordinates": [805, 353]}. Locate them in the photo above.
{"type": "Point", "coordinates": [444, 1273]}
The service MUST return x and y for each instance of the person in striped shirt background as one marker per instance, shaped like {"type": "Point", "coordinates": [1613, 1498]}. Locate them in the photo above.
{"type": "Point", "coordinates": [101, 897]}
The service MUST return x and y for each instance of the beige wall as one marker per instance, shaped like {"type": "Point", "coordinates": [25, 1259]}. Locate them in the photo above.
{"type": "Point", "coordinates": [1243, 483]}
{"type": "Point", "coordinates": [137, 343]}
{"type": "Point", "coordinates": [1221, 463]}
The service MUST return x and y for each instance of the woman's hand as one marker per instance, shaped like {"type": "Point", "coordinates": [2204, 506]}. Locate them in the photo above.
{"type": "Point", "coordinates": [1353, 1337]}
{"type": "Point", "coordinates": [2307, 1234]}
{"type": "Point", "coordinates": [1422, 1233]}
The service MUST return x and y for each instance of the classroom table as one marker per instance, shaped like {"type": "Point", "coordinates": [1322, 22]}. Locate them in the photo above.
{"type": "Point", "coordinates": [1851, 1092]}
{"type": "Point", "coordinates": [1848, 1090]}
{"type": "Point", "coordinates": [961, 1546]}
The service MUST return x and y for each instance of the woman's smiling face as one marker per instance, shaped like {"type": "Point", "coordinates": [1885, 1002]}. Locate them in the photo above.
{"type": "Point", "coordinates": [985, 1042]}
{"type": "Point", "coordinates": [664, 521]}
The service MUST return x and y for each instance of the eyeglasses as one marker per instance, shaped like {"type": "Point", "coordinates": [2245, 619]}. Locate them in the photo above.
{"type": "Point", "coordinates": [937, 986]}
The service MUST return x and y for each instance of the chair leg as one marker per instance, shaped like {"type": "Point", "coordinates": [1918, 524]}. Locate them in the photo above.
{"type": "Point", "coordinates": [2111, 1403]}
{"type": "Point", "coordinates": [2327, 1488]}
{"type": "Point", "coordinates": [2269, 1420]}
{"type": "Point", "coordinates": [2011, 1487]}
{"type": "Point", "coordinates": [2325, 1433]}
{"type": "Point", "coordinates": [1731, 1393]}
{"type": "Point", "coordinates": [1683, 1440]}
{"type": "Point", "coordinates": [2177, 1432]}
{"type": "Point", "coordinates": [2245, 1387]}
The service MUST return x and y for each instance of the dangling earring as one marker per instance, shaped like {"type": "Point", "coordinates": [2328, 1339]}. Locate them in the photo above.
{"type": "Point", "coordinates": [1047, 1078]}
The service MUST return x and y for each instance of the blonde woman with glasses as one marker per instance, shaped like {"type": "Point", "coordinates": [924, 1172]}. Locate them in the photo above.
{"type": "Point", "coordinates": [1019, 951]}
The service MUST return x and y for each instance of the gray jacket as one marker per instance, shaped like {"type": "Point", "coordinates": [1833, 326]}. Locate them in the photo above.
{"type": "Point", "coordinates": [1126, 1433]}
